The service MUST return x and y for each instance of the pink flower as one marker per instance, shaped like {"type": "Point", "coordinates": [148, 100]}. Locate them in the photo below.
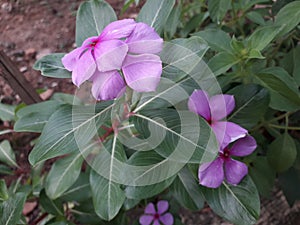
{"type": "Point", "coordinates": [157, 217]}
{"type": "Point", "coordinates": [213, 173]}
{"type": "Point", "coordinates": [214, 109]}
{"type": "Point", "coordinates": [123, 54]}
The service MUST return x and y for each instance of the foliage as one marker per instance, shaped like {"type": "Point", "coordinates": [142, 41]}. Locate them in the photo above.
{"type": "Point", "coordinates": [111, 156]}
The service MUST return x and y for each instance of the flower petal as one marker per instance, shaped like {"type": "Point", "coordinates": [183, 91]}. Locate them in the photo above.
{"type": "Point", "coordinates": [150, 209]}
{"type": "Point", "coordinates": [118, 29]}
{"type": "Point", "coordinates": [235, 171]}
{"type": "Point", "coordinates": [144, 39]}
{"type": "Point", "coordinates": [162, 206]}
{"type": "Point", "coordinates": [211, 174]}
{"type": "Point", "coordinates": [156, 222]}
{"type": "Point", "coordinates": [142, 72]}
{"type": "Point", "coordinates": [84, 68]}
{"type": "Point", "coordinates": [221, 106]}
{"type": "Point", "coordinates": [227, 132]}
{"type": "Point", "coordinates": [69, 60]}
{"type": "Point", "coordinates": [167, 219]}
{"type": "Point", "coordinates": [199, 104]}
{"type": "Point", "coordinates": [110, 55]}
{"type": "Point", "coordinates": [107, 85]}
{"type": "Point", "coordinates": [146, 219]}
{"type": "Point", "coordinates": [243, 146]}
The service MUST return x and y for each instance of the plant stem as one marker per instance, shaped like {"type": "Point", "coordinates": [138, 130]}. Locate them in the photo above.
{"type": "Point", "coordinates": [283, 127]}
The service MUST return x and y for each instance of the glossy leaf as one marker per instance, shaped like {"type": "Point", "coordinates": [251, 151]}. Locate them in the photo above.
{"type": "Point", "coordinates": [3, 191]}
{"type": "Point", "coordinates": [283, 88]}
{"type": "Point", "coordinates": [7, 112]}
{"type": "Point", "coordinates": [173, 21]}
{"type": "Point", "coordinates": [237, 204]}
{"type": "Point", "coordinates": [262, 175]}
{"type": "Point", "coordinates": [288, 17]}
{"type": "Point", "coordinates": [251, 103]}
{"type": "Point", "coordinates": [108, 199]}
{"type": "Point", "coordinates": [217, 39]}
{"type": "Point", "coordinates": [186, 190]}
{"type": "Point", "coordinates": [92, 17]}
{"type": "Point", "coordinates": [218, 8]}
{"type": "Point", "coordinates": [146, 188]}
{"type": "Point", "coordinates": [7, 155]}
{"type": "Point", "coordinates": [79, 191]}
{"type": "Point", "coordinates": [261, 37]}
{"type": "Point", "coordinates": [54, 207]}
{"type": "Point", "coordinates": [51, 66]}
{"type": "Point", "coordinates": [155, 13]}
{"type": "Point", "coordinates": [222, 62]}
{"type": "Point", "coordinates": [11, 209]}
{"type": "Point", "coordinates": [63, 175]}
{"type": "Point", "coordinates": [169, 131]}
{"type": "Point", "coordinates": [290, 183]}
{"type": "Point", "coordinates": [69, 129]}
{"type": "Point", "coordinates": [282, 153]}
{"type": "Point", "coordinates": [33, 118]}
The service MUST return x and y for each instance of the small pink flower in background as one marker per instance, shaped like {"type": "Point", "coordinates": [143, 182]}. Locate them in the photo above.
{"type": "Point", "coordinates": [157, 216]}
{"type": "Point", "coordinates": [214, 109]}
{"type": "Point", "coordinates": [123, 54]}
{"type": "Point", "coordinates": [213, 173]}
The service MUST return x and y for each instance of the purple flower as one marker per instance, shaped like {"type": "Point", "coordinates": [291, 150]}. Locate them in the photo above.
{"type": "Point", "coordinates": [213, 173]}
{"type": "Point", "coordinates": [123, 54]}
{"type": "Point", "coordinates": [159, 216]}
{"type": "Point", "coordinates": [214, 109]}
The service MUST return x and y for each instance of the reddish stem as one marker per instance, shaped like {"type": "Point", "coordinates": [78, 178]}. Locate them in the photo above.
{"type": "Point", "coordinates": [36, 222]}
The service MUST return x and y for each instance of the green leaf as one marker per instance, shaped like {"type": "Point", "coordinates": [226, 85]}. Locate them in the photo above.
{"type": "Point", "coordinates": [186, 190]}
{"type": "Point", "coordinates": [63, 175]}
{"type": "Point", "coordinates": [3, 191]}
{"type": "Point", "coordinates": [33, 118]}
{"type": "Point", "coordinates": [256, 17]}
{"type": "Point", "coordinates": [11, 210]}
{"type": "Point", "coordinates": [282, 153]}
{"type": "Point", "coordinates": [173, 21]}
{"type": "Point", "coordinates": [251, 103]}
{"type": "Point", "coordinates": [51, 66]}
{"type": "Point", "coordinates": [79, 191]}
{"type": "Point", "coordinates": [7, 112]}
{"type": "Point", "coordinates": [7, 155]}
{"type": "Point", "coordinates": [5, 170]}
{"type": "Point", "coordinates": [222, 62]}
{"type": "Point", "coordinates": [255, 54]}
{"type": "Point", "coordinates": [218, 9]}
{"type": "Point", "coordinates": [290, 183]}
{"type": "Point", "coordinates": [168, 132]}
{"type": "Point", "coordinates": [54, 207]}
{"type": "Point", "coordinates": [283, 88]}
{"type": "Point", "coordinates": [108, 199]}
{"type": "Point", "coordinates": [155, 13]}
{"type": "Point", "coordinates": [237, 204]}
{"type": "Point", "coordinates": [262, 175]}
{"type": "Point", "coordinates": [194, 23]}
{"type": "Point", "coordinates": [217, 39]}
{"type": "Point", "coordinates": [92, 17]}
{"type": "Point", "coordinates": [261, 37]}
{"type": "Point", "coordinates": [146, 161]}
{"type": "Point", "coordinates": [288, 17]}
{"type": "Point", "coordinates": [68, 130]}
{"type": "Point", "coordinates": [290, 63]}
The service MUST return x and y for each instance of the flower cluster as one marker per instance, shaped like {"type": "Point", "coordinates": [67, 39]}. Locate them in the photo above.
{"type": "Point", "coordinates": [159, 216]}
{"type": "Point", "coordinates": [123, 54]}
{"type": "Point", "coordinates": [214, 109]}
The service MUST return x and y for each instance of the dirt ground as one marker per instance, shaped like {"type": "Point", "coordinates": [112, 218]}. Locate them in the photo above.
{"type": "Point", "coordinates": [30, 29]}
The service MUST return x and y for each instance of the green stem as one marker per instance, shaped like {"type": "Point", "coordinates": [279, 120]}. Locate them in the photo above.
{"type": "Point", "coordinates": [283, 127]}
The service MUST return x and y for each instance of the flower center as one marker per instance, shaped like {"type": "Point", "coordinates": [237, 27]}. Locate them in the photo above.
{"type": "Point", "coordinates": [225, 154]}
{"type": "Point", "coordinates": [156, 216]}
